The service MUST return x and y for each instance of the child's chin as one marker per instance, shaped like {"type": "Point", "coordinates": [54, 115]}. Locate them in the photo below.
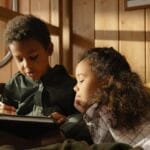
{"type": "Point", "coordinates": [33, 78]}
{"type": "Point", "coordinates": [81, 110]}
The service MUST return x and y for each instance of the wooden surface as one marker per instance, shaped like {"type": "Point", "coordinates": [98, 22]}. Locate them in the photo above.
{"type": "Point", "coordinates": [85, 24]}
{"type": "Point", "coordinates": [82, 28]}
{"type": "Point", "coordinates": [147, 45]}
{"type": "Point", "coordinates": [106, 24]}
{"type": "Point", "coordinates": [55, 20]}
{"type": "Point", "coordinates": [5, 72]}
{"type": "Point", "coordinates": [132, 38]}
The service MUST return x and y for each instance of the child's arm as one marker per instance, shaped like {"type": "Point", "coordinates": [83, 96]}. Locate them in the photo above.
{"type": "Point", "coordinates": [6, 109]}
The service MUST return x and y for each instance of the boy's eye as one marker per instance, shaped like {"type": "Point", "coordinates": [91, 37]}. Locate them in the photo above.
{"type": "Point", "coordinates": [19, 59]}
{"type": "Point", "coordinates": [34, 57]}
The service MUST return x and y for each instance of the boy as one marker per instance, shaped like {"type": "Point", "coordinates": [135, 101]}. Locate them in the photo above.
{"type": "Point", "coordinates": [37, 89]}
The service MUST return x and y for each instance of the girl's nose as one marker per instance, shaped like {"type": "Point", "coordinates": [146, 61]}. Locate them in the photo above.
{"type": "Point", "coordinates": [75, 88]}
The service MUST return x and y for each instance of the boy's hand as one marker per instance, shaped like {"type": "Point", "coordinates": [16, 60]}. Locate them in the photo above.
{"type": "Point", "coordinates": [6, 109]}
{"type": "Point", "coordinates": [57, 117]}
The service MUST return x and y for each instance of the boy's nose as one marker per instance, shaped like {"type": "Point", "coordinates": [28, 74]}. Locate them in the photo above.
{"type": "Point", "coordinates": [26, 64]}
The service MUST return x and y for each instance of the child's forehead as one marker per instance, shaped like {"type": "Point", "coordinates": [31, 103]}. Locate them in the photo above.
{"type": "Point", "coordinates": [25, 46]}
{"type": "Point", "coordinates": [83, 67]}
{"type": "Point", "coordinates": [25, 43]}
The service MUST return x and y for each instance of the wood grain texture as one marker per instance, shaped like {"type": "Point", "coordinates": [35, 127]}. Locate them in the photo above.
{"type": "Point", "coordinates": [106, 23]}
{"type": "Point", "coordinates": [5, 71]}
{"type": "Point", "coordinates": [148, 45]}
{"type": "Point", "coordinates": [92, 23]}
{"type": "Point", "coordinates": [83, 24]}
{"type": "Point", "coordinates": [132, 38]}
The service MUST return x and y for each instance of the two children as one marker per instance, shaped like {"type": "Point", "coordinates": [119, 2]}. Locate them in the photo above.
{"type": "Point", "coordinates": [113, 99]}
{"type": "Point", "coordinates": [111, 96]}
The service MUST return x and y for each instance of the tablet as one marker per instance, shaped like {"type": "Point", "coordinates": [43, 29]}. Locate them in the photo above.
{"type": "Point", "coordinates": [27, 125]}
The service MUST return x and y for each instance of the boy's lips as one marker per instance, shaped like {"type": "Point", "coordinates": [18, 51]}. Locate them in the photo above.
{"type": "Point", "coordinates": [30, 74]}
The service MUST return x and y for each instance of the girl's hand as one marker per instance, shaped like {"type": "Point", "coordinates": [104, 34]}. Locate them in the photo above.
{"type": "Point", "coordinates": [57, 117]}
{"type": "Point", "coordinates": [6, 109]}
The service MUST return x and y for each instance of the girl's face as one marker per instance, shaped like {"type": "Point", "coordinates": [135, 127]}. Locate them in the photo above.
{"type": "Point", "coordinates": [87, 85]}
{"type": "Point", "coordinates": [31, 58]}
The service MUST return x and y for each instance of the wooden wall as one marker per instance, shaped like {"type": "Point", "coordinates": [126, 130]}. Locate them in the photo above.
{"type": "Point", "coordinates": [6, 71]}
{"type": "Point", "coordinates": [107, 23]}
{"type": "Point", "coordinates": [88, 23]}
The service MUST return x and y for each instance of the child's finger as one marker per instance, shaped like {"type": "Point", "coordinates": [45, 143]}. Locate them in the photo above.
{"type": "Point", "coordinates": [7, 109]}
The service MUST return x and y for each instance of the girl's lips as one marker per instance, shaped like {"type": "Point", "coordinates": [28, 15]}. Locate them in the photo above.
{"type": "Point", "coordinates": [78, 105]}
{"type": "Point", "coordinates": [77, 101]}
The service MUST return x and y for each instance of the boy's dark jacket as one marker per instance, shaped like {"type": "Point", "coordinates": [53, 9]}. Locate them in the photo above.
{"type": "Point", "coordinates": [53, 92]}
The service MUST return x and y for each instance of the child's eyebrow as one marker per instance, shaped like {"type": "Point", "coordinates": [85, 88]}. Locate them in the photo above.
{"type": "Point", "coordinates": [81, 74]}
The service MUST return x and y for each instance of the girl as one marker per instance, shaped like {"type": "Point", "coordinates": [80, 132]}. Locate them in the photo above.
{"type": "Point", "coordinates": [113, 99]}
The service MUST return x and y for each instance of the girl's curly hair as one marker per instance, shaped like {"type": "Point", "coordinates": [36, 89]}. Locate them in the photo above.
{"type": "Point", "coordinates": [123, 92]}
{"type": "Point", "coordinates": [26, 27]}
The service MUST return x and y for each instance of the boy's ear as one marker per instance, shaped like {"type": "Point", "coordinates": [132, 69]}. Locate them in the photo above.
{"type": "Point", "coordinates": [50, 49]}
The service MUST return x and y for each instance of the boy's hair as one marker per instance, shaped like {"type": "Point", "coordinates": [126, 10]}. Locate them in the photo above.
{"type": "Point", "coordinates": [27, 27]}
{"type": "Point", "coordinates": [120, 89]}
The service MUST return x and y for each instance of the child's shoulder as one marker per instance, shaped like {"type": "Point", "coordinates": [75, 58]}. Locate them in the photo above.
{"type": "Point", "coordinates": [59, 68]}
{"type": "Point", "coordinates": [60, 73]}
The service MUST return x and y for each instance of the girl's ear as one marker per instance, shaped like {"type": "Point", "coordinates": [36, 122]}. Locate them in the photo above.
{"type": "Point", "coordinates": [50, 49]}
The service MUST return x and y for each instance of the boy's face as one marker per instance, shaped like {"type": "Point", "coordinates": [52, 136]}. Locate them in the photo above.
{"type": "Point", "coordinates": [31, 57]}
{"type": "Point", "coordinates": [87, 85]}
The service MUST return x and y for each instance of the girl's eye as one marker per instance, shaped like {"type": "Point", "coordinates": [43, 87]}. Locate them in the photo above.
{"type": "Point", "coordinates": [81, 81]}
{"type": "Point", "coordinates": [34, 57]}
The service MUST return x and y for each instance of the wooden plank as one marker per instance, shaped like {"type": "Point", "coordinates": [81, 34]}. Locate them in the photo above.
{"type": "Point", "coordinates": [132, 38]}
{"type": "Point", "coordinates": [2, 45]}
{"type": "Point", "coordinates": [5, 71]}
{"type": "Point", "coordinates": [106, 23]}
{"type": "Point", "coordinates": [24, 6]}
{"type": "Point", "coordinates": [66, 37]}
{"type": "Point", "coordinates": [148, 45]}
{"type": "Point", "coordinates": [41, 9]}
{"type": "Point", "coordinates": [7, 14]}
{"type": "Point", "coordinates": [57, 41]}
{"type": "Point", "coordinates": [7, 67]}
{"type": "Point", "coordinates": [83, 24]}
